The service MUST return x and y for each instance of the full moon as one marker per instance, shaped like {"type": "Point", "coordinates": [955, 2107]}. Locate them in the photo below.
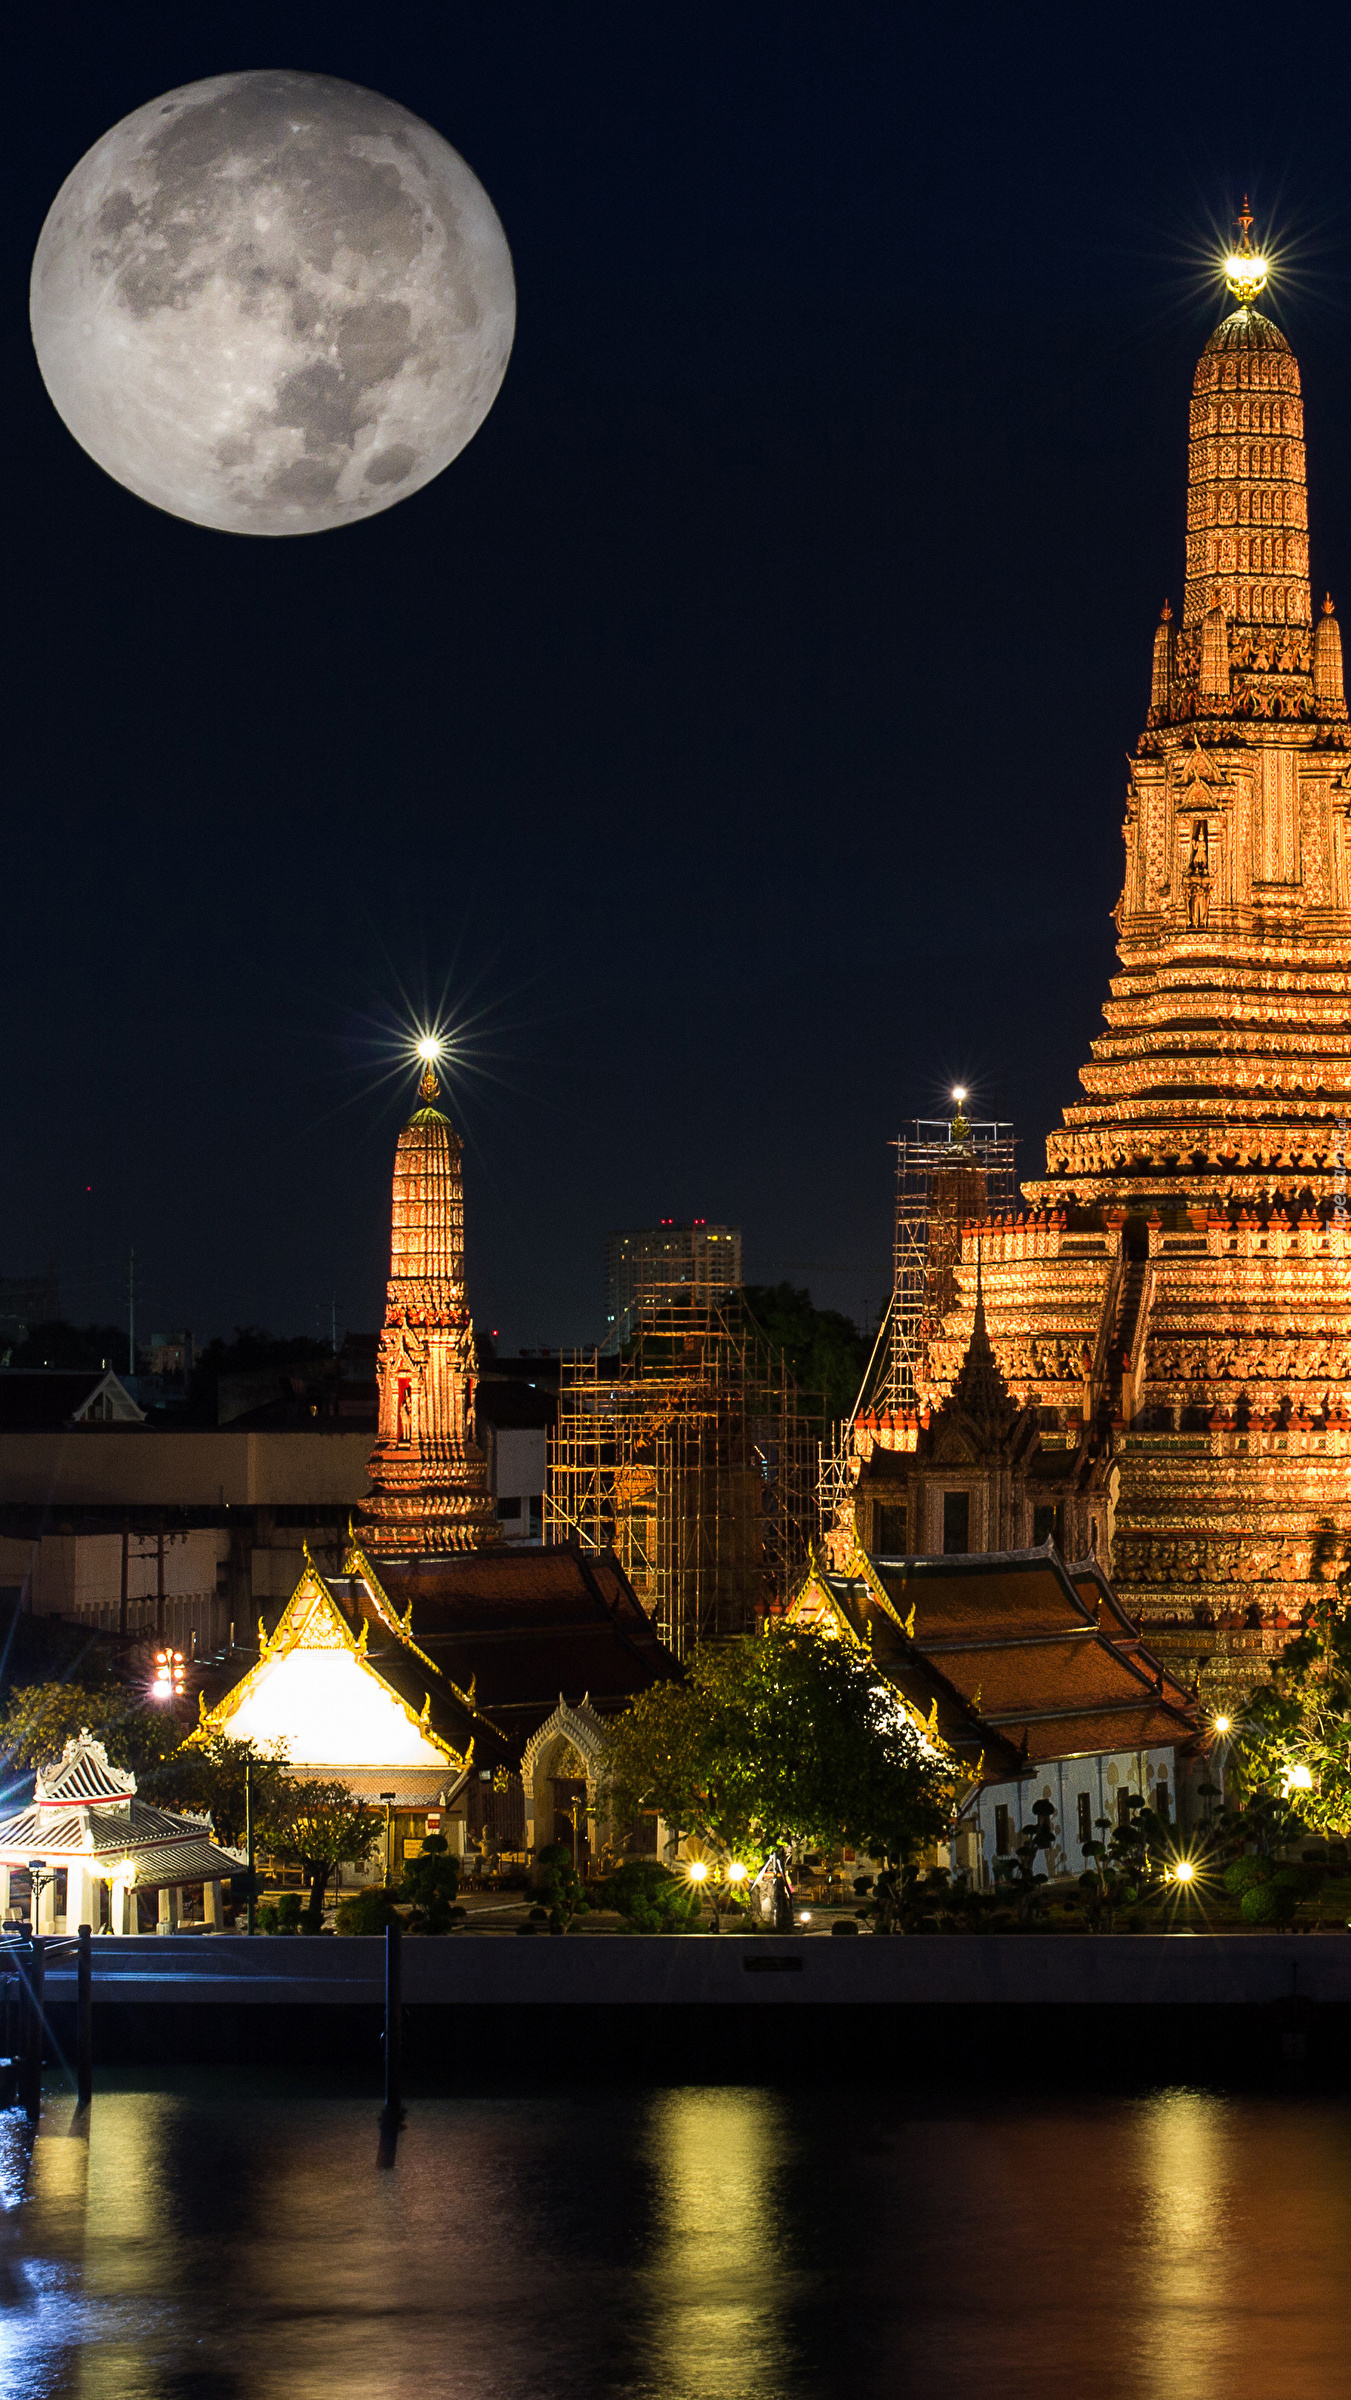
{"type": "Point", "coordinates": [272, 303]}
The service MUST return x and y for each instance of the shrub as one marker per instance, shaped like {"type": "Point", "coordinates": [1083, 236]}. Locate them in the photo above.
{"type": "Point", "coordinates": [650, 1897]}
{"type": "Point", "coordinates": [432, 1884]}
{"type": "Point", "coordinates": [1268, 1904]}
{"type": "Point", "coordinates": [1242, 1873]}
{"type": "Point", "coordinates": [366, 1912]}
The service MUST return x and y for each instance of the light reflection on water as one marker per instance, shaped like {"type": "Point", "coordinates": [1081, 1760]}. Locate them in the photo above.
{"type": "Point", "coordinates": [228, 2238]}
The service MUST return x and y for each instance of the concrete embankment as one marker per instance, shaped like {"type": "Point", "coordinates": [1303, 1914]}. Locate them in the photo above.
{"type": "Point", "coordinates": [1036, 2008]}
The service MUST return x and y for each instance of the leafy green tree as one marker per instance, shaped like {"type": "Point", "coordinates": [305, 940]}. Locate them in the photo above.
{"type": "Point", "coordinates": [431, 1884]}
{"type": "Point", "coordinates": [208, 1777]}
{"type": "Point", "coordinates": [785, 1737]}
{"type": "Point", "coordinates": [77, 1348]}
{"type": "Point", "coordinates": [40, 1718]}
{"type": "Point", "coordinates": [252, 1350]}
{"type": "Point", "coordinates": [317, 1827]}
{"type": "Point", "coordinates": [824, 1349]}
{"type": "Point", "coordinates": [1298, 1724]}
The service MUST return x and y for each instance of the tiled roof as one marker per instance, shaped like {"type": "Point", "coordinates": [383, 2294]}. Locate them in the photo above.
{"type": "Point", "coordinates": [83, 1778]}
{"type": "Point", "coordinates": [523, 1626]}
{"type": "Point", "coordinates": [1031, 1659]}
{"type": "Point", "coordinates": [162, 1846]}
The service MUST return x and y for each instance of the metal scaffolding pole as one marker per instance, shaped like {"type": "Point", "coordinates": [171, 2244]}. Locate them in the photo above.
{"type": "Point", "coordinates": [692, 1457]}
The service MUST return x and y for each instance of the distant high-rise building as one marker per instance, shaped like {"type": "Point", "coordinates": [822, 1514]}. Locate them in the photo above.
{"type": "Point", "coordinates": [664, 1267]}
{"type": "Point", "coordinates": [29, 1300]}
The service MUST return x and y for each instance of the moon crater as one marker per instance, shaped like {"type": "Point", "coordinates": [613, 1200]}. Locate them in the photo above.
{"type": "Point", "coordinates": [272, 303]}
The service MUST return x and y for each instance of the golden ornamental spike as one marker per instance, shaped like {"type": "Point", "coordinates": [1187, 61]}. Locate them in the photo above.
{"type": "Point", "coordinates": [1245, 269]}
{"type": "Point", "coordinates": [429, 1089]}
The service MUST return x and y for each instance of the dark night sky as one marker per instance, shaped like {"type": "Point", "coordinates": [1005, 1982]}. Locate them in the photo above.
{"type": "Point", "coordinates": [734, 733]}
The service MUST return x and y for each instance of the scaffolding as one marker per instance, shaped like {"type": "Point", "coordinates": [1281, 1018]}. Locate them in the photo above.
{"type": "Point", "coordinates": [693, 1458]}
{"type": "Point", "coordinates": [948, 1174]}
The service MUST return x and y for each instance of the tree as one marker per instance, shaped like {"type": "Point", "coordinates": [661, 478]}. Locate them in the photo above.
{"type": "Point", "coordinates": [40, 1718]}
{"type": "Point", "coordinates": [785, 1737]}
{"type": "Point", "coordinates": [208, 1777]}
{"type": "Point", "coordinates": [77, 1348]}
{"type": "Point", "coordinates": [253, 1350]}
{"type": "Point", "coordinates": [561, 1889]}
{"type": "Point", "coordinates": [1293, 1740]}
{"type": "Point", "coordinates": [825, 1350]}
{"type": "Point", "coordinates": [317, 1826]}
{"type": "Point", "coordinates": [432, 1884]}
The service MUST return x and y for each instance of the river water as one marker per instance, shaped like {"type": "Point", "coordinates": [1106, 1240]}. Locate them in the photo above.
{"type": "Point", "coordinates": [223, 2234]}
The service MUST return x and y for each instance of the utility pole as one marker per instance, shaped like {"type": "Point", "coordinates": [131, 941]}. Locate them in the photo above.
{"type": "Point", "coordinates": [131, 1313]}
{"type": "Point", "coordinates": [248, 1843]}
{"type": "Point", "coordinates": [159, 1582]}
{"type": "Point", "coordinates": [126, 1545]}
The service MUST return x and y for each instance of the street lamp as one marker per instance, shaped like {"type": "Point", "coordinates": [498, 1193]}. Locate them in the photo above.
{"type": "Point", "coordinates": [389, 1799]}
{"type": "Point", "coordinates": [39, 1876]}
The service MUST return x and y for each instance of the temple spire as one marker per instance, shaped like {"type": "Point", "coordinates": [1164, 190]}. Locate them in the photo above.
{"type": "Point", "coordinates": [428, 1475]}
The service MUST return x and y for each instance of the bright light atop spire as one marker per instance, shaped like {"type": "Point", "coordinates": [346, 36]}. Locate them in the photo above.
{"type": "Point", "coordinates": [959, 1093]}
{"type": "Point", "coordinates": [1245, 269]}
{"type": "Point", "coordinates": [430, 1048]}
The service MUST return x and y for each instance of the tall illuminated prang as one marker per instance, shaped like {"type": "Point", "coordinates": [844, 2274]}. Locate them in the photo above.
{"type": "Point", "coordinates": [430, 1490]}
{"type": "Point", "coordinates": [1179, 1297]}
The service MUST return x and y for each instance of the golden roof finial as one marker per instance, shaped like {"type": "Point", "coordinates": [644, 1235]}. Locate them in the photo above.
{"type": "Point", "coordinates": [429, 1089]}
{"type": "Point", "coordinates": [1167, 616]}
{"type": "Point", "coordinates": [1245, 269]}
{"type": "Point", "coordinates": [1327, 605]}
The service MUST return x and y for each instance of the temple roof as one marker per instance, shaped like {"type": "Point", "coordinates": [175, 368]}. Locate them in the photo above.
{"type": "Point", "coordinates": [1022, 1656]}
{"type": "Point", "coordinates": [85, 1809]}
{"type": "Point", "coordinates": [521, 1626]}
{"type": "Point", "coordinates": [470, 1652]}
{"type": "Point", "coordinates": [344, 1685]}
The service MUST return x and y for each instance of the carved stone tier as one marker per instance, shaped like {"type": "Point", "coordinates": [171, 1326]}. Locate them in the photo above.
{"type": "Point", "coordinates": [429, 1476]}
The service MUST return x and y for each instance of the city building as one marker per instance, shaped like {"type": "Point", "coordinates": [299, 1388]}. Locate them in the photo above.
{"type": "Point", "coordinates": [516, 1409]}
{"type": "Point", "coordinates": [28, 1300]}
{"type": "Point", "coordinates": [429, 1487]}
{"type": "Point", "coordinates": [666, 1266]}
{"type": "Point", "coordinates": [1180, 1279]}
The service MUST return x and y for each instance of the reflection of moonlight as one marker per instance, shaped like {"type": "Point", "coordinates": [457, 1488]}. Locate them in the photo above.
{"type": "Point", "coordinates": [272, 302]}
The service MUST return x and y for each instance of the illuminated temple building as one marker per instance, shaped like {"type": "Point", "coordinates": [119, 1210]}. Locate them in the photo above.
{"type": "Point", "coordinates": [428, 1475]}
{"type": "Point", "coordinates": [1177, 1298]}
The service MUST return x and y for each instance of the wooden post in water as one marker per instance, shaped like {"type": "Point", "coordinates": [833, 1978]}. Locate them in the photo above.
{"type": "Point", "coordinates": [84, 2019]}
{"type": "Point", "coordinates": [33, 1974]}
{"type": "Point", "coordinates": [391, 2116]}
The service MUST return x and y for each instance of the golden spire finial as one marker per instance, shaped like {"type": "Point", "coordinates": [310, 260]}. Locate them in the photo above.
{"type": "Point", "coordinates": [1167, 616]}
{"type": "Point", "coordinates": [429, 1049]}
{"type": "Point", "coordinates": [1327, 605]}
{"type": "Point", "coordinates": [1245, 269]}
